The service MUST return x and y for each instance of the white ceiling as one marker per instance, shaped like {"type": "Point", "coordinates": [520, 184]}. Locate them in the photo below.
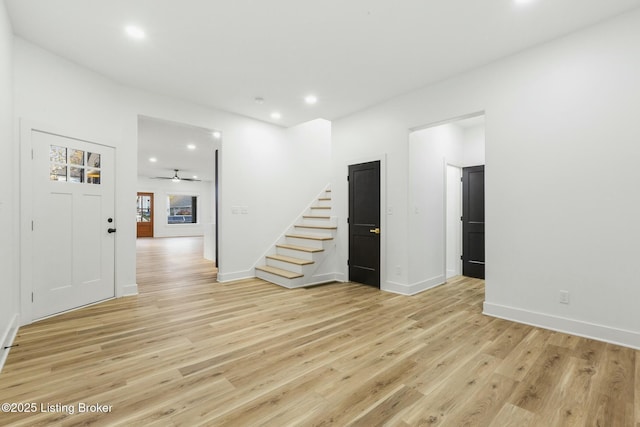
{"type": "Point", "coordinates": [350, 53]}
{"type": "Point", "coordinates": [168, 142]}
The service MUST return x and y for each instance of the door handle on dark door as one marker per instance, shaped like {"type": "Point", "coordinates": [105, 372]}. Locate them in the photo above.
{"type": "Point", "coordinates": [111, 230]}
{"type": "Point", "coordinates": [375, 231]}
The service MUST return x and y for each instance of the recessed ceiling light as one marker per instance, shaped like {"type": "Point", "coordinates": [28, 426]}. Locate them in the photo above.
{"type": "Point", "coordinates": [153, 159]}
{"type": "Point", "coordinates": [135, 32]}
{"type": "Point", "coordinates": [275, 115]}
{"type": "Point", "coordinates": [191, 146]}
{"type": "Point", "coordinates": [310, 99]}
{"type": "Point", "coordinates": [216, 135]}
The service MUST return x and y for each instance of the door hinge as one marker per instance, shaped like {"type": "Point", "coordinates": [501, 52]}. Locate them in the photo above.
{"type": "Point", "coordinates": [461, 218]}
{"type": "Point", "coordinates": [347, 220]}
{"type": "Point", "coordinates": [31, 225]}
{"type": "Point", "coordinates": [461, 180]}
{"type": "Point", "coordinates": [347, 177]}
{"type": "Point", "coordinates": [461, 257]}
{"type": "Point", "coordinates": [31, 296]}
{"type": "Point", "coordinates": [348, 262]}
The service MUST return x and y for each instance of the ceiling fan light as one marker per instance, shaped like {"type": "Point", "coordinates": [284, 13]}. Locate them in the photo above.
{"type": "Point", "coordinates": [175, 179]}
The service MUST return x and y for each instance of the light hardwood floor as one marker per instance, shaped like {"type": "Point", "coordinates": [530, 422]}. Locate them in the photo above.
{"type": "Point", "coordinates": [189, 351]}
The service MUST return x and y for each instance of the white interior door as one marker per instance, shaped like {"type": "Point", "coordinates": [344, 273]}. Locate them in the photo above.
{"type": "Point", "coordinates": [73, 210]}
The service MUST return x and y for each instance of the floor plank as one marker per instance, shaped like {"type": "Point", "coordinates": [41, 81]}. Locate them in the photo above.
{"type": "Point", "coordinates": [189, 351]}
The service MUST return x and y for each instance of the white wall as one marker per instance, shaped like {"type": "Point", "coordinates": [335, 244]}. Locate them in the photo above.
{"type": "Point", "coordinates": [561, 177]}
{"type": "Point", "coordinates": [9, 289]}
{"type": "Point", "coordinates": [274, 178]}
{"type": "Point", "coordinates": [272, 171]}
{"type": "Point", "coordinates": [163, 188]}
{"type": "Point", "coordinates": [473, 147]}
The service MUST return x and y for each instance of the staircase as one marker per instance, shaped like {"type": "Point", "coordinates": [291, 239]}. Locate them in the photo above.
{"type": "Point", "coordinates": [296, 260]}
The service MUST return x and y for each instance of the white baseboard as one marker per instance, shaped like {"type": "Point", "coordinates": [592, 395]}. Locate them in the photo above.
{"type": "Point", "coordinates": [413, 288]}
{"type": "Point", "coordinates": [325, 278]}
{"type": "Point", "coordinates": [340, 277]}
{"type": "Point", "coordinates": [7, 338]}
{"type": "Point", "coordinates": [452, 273]}
{"type": "Point", "coordinates": [569, 326]}
{"type": "Point", "coordinates": [129, 290]}
{"type": "Point", "coordinates": [238, 275]}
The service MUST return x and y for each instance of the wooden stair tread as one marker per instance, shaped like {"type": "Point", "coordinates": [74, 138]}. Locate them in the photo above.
{"type": "Point", "coordinates": [316, 216]}
{"type": "Point", "coordinates": [309, 237]}
{"type": "Point", "coordinates": [300, 248]}
{"type": "Point", "coordinates": [324, 198]}
{"type": "Point", "coordinates": [290, 260]}
{"type": "Point", "coordinates": [317, 227]}
{"type": "Point", "coordinates": [279, 272]}
{"type": "Point", "coordinates": [320, 207]}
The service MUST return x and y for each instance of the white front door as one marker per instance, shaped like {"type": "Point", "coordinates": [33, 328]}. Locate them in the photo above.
{"type": "Point", "coordinates": [73, 212]}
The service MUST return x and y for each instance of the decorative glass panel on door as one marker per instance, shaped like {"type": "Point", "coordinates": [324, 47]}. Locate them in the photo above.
{"type": "Point", "coordinates": [93, 176]}
{"type": "Point", "coordinates": [58, 173]}
{"type": "Point", "coordinates": [93, 160]}
{"type": "Point", "coordinates": [76, 174]}
{"type": "Point", "coordinates": [58, 154]}
{"type": "Point", "coordinates": [76, 157]}
{"type": "Point", "coordinates": [73, 161]}
{"type": "Point", "coordinates": [144, 209]}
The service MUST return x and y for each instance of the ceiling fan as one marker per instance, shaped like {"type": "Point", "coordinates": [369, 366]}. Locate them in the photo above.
{"type": "Point", "coordinates": [176, 178]}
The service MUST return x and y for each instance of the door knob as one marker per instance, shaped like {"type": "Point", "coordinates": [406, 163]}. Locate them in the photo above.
{"type": "Point", "coordinates": [375, 231]}
{"type": "Point", "coordinates": [111, 230]}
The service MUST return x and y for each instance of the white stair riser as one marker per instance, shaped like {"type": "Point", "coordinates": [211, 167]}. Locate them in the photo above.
{"type": "Point", "coordinates": [295, 254]}
{"type": "Point", "coordinates": [323, 202]}
{"type": "Point", "coordinates": [315, 232]}
{"type": "Point", "coordinates": [305, 242]}
{"type": "Point", "coordinates": [318, 221]}
{"type": "Point", "coordinates": [296, 268]}
{"type": "Point", "coordinates": [279, 280]}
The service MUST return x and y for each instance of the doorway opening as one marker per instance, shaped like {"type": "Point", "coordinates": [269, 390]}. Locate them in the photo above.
{"type": "Point", "coordinates": [438, 157]}
{"type": "Point", "coordinates": [177, 183]}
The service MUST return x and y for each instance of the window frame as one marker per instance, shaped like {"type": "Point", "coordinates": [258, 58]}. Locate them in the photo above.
{"type": "Point", "coordinates": [195, 220]}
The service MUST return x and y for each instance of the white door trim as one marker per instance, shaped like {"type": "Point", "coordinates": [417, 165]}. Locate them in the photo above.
{"type": "Point", "coordinates": [26, 209]}
{"type": "Point", "coordinates": [447, 214]}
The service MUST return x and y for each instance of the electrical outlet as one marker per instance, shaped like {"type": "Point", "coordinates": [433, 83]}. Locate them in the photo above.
{"type": "Point", "coordinates": [564, 297]}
